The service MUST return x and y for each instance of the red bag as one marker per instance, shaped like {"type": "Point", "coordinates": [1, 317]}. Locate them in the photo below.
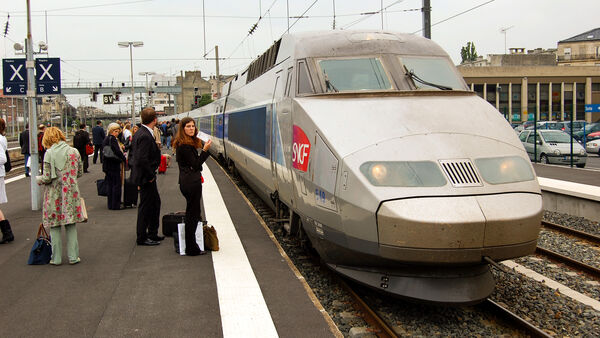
{"type": "Point", "coordinates": [89, 149]}
{"type": "Point", "coordinates": [162, 168]}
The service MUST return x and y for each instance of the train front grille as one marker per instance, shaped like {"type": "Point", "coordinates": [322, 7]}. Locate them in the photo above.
{"type": "Point", "coordinates": [461, 172]}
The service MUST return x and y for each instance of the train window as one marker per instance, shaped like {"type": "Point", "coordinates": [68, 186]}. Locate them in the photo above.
{"type": "Point", "coordinates": [432, 73]}
{"type": "Point", "coordinates": [304, 82]}
{"type": "Point", "coordinates": [499, 170]}
{"type": "Point", "coordinates": [288, 82]}
{"type": "Point", "coordinates": [354, 74]}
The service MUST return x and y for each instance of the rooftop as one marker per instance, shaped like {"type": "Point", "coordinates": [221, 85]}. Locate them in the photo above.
{"type": "Point", "coordinates": [592, 35]}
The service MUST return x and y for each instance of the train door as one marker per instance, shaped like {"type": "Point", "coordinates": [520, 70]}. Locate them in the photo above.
{"type": "Point", "coordinates": [280, 131]}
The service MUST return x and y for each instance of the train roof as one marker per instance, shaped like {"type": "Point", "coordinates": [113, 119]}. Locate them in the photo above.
{"type": "Point", "coordinates": [348, 43]}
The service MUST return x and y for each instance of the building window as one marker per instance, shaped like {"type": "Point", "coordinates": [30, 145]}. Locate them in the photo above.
{"type": "Point", "coordinates": [544, 102]}
{"type": "Point", "coordinates": [516, 102]}
{"type": "Point", "coordinates": [580, 101]}
{"type": "Point", "coordinates": [478, 88]}
{"type": "Point", "coordinates": [531, 101]}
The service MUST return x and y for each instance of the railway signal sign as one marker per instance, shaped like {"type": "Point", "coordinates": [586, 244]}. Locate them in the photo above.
{"type": "Point", "coordinates": [107, 99]}
{"type": "Point", "coordinates": [14, 76]}
{"type": "Point", "coordinates": [47, 76]}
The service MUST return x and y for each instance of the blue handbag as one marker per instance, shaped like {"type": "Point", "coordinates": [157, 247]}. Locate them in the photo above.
{"type": "Point", "coordinates": [41, 252]}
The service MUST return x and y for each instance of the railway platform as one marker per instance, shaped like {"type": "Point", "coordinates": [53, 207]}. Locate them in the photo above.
{"type": "Point", "coordinates": [246, 289]}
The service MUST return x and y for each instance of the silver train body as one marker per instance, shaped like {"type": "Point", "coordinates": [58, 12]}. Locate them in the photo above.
{"type": "Point", "coordinates": [401, 178]}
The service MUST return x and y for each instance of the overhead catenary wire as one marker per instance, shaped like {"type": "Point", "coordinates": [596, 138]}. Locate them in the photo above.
{"type": "Point", "coordinates": [369, 14]}
{"type": "Point", "coordinates": [454, 16]}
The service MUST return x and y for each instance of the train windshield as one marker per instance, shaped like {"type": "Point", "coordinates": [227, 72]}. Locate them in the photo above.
{"type": "Point", "coordinates": [354, 74]}
{"type": "Point", "coordinates": [432, 73]}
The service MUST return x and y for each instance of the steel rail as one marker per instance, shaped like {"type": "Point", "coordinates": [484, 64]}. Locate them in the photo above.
{"type": "Point", "coordinates": [591, 270]}
{"type": "Point", "coordinates": [510, 316]}
{"type": "Point", "coordinates": [580, 234]}
{"type": "Point", "coordinates": [370, 315]}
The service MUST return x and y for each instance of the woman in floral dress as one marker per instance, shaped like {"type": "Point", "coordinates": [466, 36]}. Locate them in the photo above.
{"type": "Point", "coordinates": [62, 201]}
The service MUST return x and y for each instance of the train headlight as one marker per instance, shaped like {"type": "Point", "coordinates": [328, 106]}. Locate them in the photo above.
{"type": "Point", "coordinates": [403, 174]}
{"type": "Point", "coordinates": [499, 170]}
{"type": "Point", "coordinates": [556, 152]}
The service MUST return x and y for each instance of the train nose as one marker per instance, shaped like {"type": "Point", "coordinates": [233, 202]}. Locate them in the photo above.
{"type": "Point", "coordinates": [459, 229]}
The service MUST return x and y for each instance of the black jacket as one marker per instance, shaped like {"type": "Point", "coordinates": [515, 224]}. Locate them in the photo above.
{"type": "Point", "coordinates": [24, 141]}
{"type": "Point", "coordinates": [112, 164]}
{"type": "Point", "coordinates": [98, 135]}
{"type": "Point", "coordinates": [190, 163]}
{"type": "Point", "coordinates": [144, 157]}
{"type": "Point", "coordinates": [80, 140]}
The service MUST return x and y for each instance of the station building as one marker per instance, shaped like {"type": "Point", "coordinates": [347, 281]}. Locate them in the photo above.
{"type": "Point", "coordinates": [552, 84]}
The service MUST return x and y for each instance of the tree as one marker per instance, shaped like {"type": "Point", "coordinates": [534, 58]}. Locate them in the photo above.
{"type": "Point", "coordinates": [468, 53]}
{"type": "Point", "coordinates": [204, 100]}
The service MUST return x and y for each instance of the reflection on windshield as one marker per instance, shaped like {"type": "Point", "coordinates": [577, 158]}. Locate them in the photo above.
{"type": "Point", "coordinates": [556, 137]}
{"type": "Point", "coordinates": [436, 72]}
{"type": "Point", "coordinates": [354, 74]}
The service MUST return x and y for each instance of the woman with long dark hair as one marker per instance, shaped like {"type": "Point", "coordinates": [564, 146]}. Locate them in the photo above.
{"type": "Point", "coordinates": [190, 162]}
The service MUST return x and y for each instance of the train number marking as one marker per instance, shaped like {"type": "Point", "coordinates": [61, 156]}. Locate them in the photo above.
{"type": "Point", "coordinates": [300, 149]}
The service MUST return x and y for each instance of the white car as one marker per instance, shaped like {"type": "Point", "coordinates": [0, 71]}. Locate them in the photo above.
{"type": "Point", "coordinates": [593, 147]}
{"type": "Point", "coordinates": [553, 147]}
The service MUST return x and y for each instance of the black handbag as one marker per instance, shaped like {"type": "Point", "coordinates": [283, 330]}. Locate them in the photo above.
{"type": "Point", "coordinates": [101, 187]}
{"type": "Point", "coordinates": [7, 165]}
{"type": "Point", "coordinates": [41, 251]}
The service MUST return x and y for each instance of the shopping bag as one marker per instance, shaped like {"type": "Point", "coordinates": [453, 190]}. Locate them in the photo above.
{"type": "Point", "coordinates": [89, 149]}
{"type": "Point", "coordinates": [83, 210]}
{"type": "Point", "coordinates": [41, 251]}
{"type": "Point", "coordinates": [181, 237]}
{"type": "Point", "coordinates": [211, 241]}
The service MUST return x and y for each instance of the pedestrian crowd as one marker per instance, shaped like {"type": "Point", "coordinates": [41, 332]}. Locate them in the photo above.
{"type": "Point", "coordinates": [121, 149]}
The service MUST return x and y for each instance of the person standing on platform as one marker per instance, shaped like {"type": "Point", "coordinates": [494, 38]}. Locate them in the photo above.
{"type": "Point", "coordinates": [62, 201]}
{"type": "Point", "coordinates": [7, 235]}
{"type": "Point", "coordinates": [80, 141]}
{"type": "Point", "coordinates": [112, 166]}
{"type": "Point", "coordinates": [144, 161]}
{"type": "Point", "coordinates": [186, 146]}
{"type": "Point", "coordinates": [98, 137]}
{"type": "Point", "coordinates": [24, 143]}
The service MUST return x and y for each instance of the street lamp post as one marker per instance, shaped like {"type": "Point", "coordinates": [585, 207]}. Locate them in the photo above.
{"type": "Point", "coordinates": [147, 88]}
{"type": "Point", "coordinates": [131, 44]}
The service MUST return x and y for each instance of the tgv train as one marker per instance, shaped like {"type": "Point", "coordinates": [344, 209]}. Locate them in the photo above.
{"type": "Point", "coordinates": [373, 147]}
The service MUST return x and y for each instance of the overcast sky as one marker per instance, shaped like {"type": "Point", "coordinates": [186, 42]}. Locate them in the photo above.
{"type": "Point", "coordinates": [84, 34]}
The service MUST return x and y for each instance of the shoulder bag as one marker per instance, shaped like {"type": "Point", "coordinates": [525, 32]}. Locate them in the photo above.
{"type": "Point", "coordinates": [211, 241]}
{"type": "Point", "coordinates": [41, 251]}
{"type": "Point", "coordinates": [108, 152]}
{"type": "Point", "coordinates": [7, 165]}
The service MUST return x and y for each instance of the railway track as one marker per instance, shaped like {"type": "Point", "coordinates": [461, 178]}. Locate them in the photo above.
{"type": "Point", "coordinates": [555, 256]}
{"type": "Point", "coordinates": [509, 316]}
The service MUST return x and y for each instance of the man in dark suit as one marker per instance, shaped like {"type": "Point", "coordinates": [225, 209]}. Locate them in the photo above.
{"type": "Point", "coordinates": [144, 160]}
{"type": "Point", "coordinates": [80, 141]}
{"type": "Point", "coordinates": [24, 143]}
{"type": "Point", "coordinates": [98, 136]}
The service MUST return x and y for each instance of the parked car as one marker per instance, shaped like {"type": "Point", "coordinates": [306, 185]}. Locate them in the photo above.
{"type": "Point", "coordinates": [546, 125]}
{"type": "Point", "coordinates": [593, 136]}
{"type": "Point", "coordinates": [553, 147]}
{"type": "Point", "coordinates": [519, 128]}
{"type": "Point", "coordinates": [593, 147]}
{"type": "Point", "coordinates": [589, 128]}
{"type": "Point", "coordinates": [566, 125]}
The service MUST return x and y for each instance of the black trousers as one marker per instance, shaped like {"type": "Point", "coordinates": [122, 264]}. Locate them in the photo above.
{"type": "Point", "coordinates": [113, 188]}
{"type": "Point", "coordinates": [148, 212]}
{"type": "Point", "coordinates": [193, 194]}
{"type": "Point", "coordinates": [98, 150]}
{"type": "Point", "coordinates": [84, 159]}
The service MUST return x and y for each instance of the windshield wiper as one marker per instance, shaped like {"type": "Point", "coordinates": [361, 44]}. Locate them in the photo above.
{"type": "Point", "coordinates": [329, 85]}
{"type": "Point", "coordinates": [414, 78]}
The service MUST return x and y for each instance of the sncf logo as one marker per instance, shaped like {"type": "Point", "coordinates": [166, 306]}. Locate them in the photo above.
{"type": "Point", "coordinates": [300, 149]}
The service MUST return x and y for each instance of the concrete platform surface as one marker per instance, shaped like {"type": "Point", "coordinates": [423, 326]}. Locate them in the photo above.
{"type": "Point", "coordinates": [121, 289]}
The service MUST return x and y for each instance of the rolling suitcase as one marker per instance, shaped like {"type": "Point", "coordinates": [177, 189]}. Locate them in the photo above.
{"type": "Point", "coordinates": [162, 168]}
{"type": "Point", "coordinates": [170, 221]}
{"type": "Point", "coordinates": [130, 194]}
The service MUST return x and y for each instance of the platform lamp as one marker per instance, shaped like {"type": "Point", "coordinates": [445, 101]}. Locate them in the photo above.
{"type": "Point", "coordinates": [131, 44]}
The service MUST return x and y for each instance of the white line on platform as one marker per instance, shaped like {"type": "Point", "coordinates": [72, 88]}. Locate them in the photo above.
{"type": "Point", "coordinates": [244, 312]}
{"type": "Point", "coordinates": [554, 285]}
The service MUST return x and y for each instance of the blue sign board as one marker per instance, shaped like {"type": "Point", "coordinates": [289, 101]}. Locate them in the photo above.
{"type": "Point", "coordinates": [47, 76]}
{"type": "Point", "coordinates": [14, 76]}
{"type": "Point", "coordinates": [592, 108]}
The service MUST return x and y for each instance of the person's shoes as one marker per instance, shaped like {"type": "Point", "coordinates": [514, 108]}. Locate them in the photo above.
{"type": "Point", "coordinates": [86, 171]}
{"type": "Point", "coordinates": [53, 263]}
{"type": "Point", "coordinates": [148, 242]}
{"type": "Point", "coordinates": [156, 238]}
{"type": "Point", "coordinates": [75, 261]}
{"type": "Point", "coordinates": [195, 253]}
{"type": "Point", "coordinates": [26, 175]}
